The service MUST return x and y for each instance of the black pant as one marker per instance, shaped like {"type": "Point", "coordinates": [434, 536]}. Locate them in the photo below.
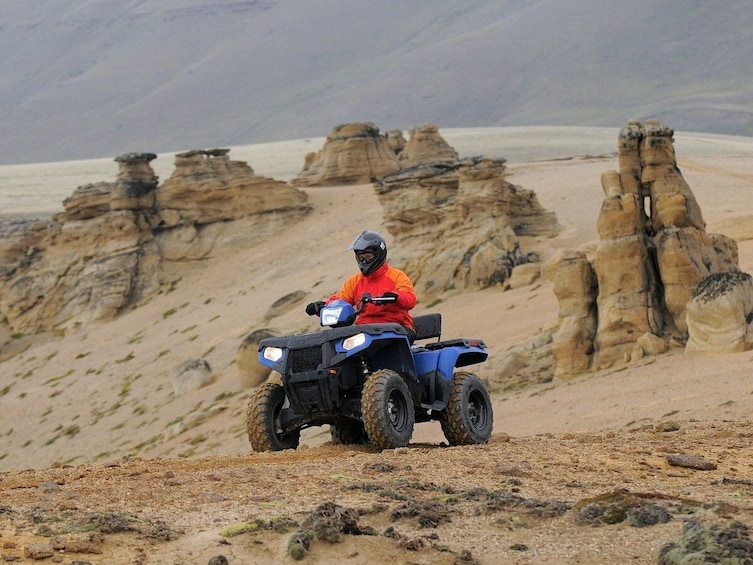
{"type": "Point", "coordinates": [411, 334]}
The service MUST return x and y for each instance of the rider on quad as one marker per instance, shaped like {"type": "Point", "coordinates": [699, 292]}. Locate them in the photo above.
{"type": "Point", "coordinates": [363, 375]}
{"type": "Point", "coordinates": [376, 278]}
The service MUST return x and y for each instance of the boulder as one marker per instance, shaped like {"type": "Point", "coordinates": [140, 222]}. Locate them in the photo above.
{"type": "Point", "coordinates": [190, 375]}
{"type": "Point", "coordinates": [720, 314]}
{"type": "Point", "coordinates": [250, 372]}
{"type": "Point", "coordinates": [524, 275]}
{"type": "Point", "coordinates": [285, 304]}
{"type": "Point", "coordinates": [651, 344]}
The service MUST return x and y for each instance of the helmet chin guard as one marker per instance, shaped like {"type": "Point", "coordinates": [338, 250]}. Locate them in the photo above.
{"type": "Point", "coordinates": [370, 241]}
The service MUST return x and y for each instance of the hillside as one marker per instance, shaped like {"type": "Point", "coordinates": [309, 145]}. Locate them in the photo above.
{"type": "Point", "coordinates": [95, 437]}
{"type": "Point", "coordinates": [107, 390]}
{"type": "Point", "coordinates": [85, 79]}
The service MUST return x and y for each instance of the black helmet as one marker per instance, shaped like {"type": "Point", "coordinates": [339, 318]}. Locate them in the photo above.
{"type": "Point", "coordinates": [371, 241]}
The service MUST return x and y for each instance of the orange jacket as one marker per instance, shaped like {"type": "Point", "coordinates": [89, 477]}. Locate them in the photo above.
{"type": "Point", "coordinates": [384, 279]}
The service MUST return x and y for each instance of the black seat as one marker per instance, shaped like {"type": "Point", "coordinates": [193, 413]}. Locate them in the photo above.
{"type": "Point", "coordinates": [428, 326]}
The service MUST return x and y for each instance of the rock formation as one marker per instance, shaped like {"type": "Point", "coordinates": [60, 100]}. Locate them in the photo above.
{"type": "Point", "coordinates": [396, 140]}
{"type": "Point", "coordinates": [424, 146]}
{"type": "Point", "coordinates": [653, 252]}
{"type": "Point", "coordinates": [720, 314]}
{"type": "Point", "coordinates": [105, 251]}
{"type": "Point", "coordinates": [208, 196]}
{"type": "Point", "coordinates": [458, 224]}
{"type": "Point", "coordinates": [352, 154]}
{"type": "Point", "coordinates": [575, 289]}
{"type": "Point", "coordinates": [86, 263]}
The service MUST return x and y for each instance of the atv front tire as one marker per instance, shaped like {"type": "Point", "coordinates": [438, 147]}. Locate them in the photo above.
{"type": "Point", "coordinates": [387, 409]}
{"type": "Point", "coordinates": [468, 417]}
{"type": "Point", "coordinates": [262, 420]}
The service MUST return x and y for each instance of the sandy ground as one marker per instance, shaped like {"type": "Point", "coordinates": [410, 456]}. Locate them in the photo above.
{"type": "Point", "coordinates": [90, 423]}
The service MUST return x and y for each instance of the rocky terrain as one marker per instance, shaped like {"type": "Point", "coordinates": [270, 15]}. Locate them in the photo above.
{"type": "Point", "coordinates": [107, 460]}
{"type": "Point", "coordinates": [649, 494]}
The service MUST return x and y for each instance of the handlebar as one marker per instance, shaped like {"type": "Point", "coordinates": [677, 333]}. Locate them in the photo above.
{"type": "Point", "coordinates": [314, 308]}
{"type": "Point", "coordinates": [387, 298]}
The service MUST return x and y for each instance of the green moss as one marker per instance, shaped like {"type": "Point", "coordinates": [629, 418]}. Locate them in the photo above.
{"type": "Point", "coordinates": [730, 544]}
{"type": "Point", "coordinates": [238, 529]}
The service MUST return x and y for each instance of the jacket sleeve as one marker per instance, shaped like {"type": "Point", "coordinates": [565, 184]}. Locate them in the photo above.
{"type": "Point", "coordinates": [406, 296]}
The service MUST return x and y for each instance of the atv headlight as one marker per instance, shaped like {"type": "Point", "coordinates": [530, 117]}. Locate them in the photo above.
{"type": "Point", "coordinates": [272, 353]}
{"type": "Point", "coordinates": [354, 341]}
{"type": "Point", "coordinates": [331, 315]}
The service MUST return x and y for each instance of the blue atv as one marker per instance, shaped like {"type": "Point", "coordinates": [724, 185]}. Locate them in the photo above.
{"type": "Point", "coordinates": [369, 383]}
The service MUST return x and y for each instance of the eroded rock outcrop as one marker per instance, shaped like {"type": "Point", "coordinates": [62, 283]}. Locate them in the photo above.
{"type": "Point", "coordinates": [720, 314]}
{"type": "Point", "coordinates": [652, 253]}
{"type": "Point", "coordinates": [425, 145]}
{"type": "Point", "coordinates": [208, 197]}
{"type": "Point", "coordinates": [105, 251]}
{"type": "Point", "coordinates": [458, 225]}
{"type": "Point", "coordinates": [396, 140]}
{"type": "Point", "coordinates": [575, 289]}
{"type": "Point", "coordinates": [352, 154]}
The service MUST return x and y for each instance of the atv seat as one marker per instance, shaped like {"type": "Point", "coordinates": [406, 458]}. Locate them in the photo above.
{"type": "Point", "coordinates": [428, 326]}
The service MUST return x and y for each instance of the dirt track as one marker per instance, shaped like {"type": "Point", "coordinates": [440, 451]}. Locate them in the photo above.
{"type": "Point", "coordinates": [513, 501]}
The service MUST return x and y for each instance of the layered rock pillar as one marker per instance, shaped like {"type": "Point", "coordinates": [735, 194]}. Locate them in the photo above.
{"type": "Point", "coordinates": [653, 252]}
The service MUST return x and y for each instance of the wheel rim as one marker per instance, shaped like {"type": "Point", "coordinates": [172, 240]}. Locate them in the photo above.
{"type": "Point", "coordinates": [397, 411]}
{"type": "Point", "coordinates": [477, 412]}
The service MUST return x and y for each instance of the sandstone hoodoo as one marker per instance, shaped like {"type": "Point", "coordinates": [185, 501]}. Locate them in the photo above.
{"type": "Point", "coordinates": [105, 252]}
{"type": "Point", "coordinates": [652, 254]}
{"type": "Point", "coordinates": [425, 145]}
{"type": "Point", "coordinates": [352, 154]}
{"type": "Point", "coordinates": [358, 154]}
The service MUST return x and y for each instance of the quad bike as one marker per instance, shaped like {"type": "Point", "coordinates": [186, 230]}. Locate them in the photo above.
{"type": "Point", "coordinates": [369, 383]}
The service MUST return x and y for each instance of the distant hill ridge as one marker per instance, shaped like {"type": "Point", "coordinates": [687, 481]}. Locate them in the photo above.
{"type": "Point", "coordinates": [81, 79]}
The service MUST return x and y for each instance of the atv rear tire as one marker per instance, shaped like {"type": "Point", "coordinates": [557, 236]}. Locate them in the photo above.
{"type": "Point", "coordinates": [468, 417]}
{"type": "Point", "coordinates": [262, 422]}
{"type": "Point", "coordinates": [348, 433]}
{"type": "Point", "coordinates": [387, 409]}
